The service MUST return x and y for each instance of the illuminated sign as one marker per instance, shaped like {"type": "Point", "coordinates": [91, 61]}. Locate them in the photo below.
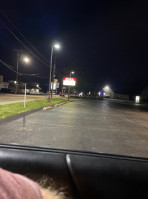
{"type": "Point", "coordinates": [137, 99]}
{"type": "Point", "coordinates": [67, 81]}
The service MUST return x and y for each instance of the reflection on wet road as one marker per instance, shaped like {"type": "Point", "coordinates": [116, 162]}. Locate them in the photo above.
{"type": "Point", "coordinates": [107, 126]}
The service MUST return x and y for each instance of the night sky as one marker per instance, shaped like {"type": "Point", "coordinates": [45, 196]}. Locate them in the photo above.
{"type": "Point", "coordinates": [104, 42]}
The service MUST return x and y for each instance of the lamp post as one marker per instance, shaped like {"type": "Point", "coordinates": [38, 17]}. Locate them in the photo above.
{"type": "Point", "coordinates": [72, 72]}
{"type": "Point", "coordinates": [57, 46]}
{"type": "Point", "coordinates": [53, 76]}
{"type": "Point", "coordinates": [25, 96]}
{"type": "Point", "coordinates": [26, 60]}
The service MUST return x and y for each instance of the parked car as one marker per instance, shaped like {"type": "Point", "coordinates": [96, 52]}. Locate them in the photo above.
{"type": "Point", "coordinates": [62, 95]}
{"type": "Point", "coordinates": [6, 90]}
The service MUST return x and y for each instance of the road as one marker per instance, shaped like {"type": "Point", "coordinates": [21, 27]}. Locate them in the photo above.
{"type": "Point", "coordinates": [106, 126]}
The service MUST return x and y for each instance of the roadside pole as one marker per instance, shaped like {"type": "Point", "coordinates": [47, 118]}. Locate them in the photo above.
{"type": "Point", "coordinates": [49, 95]}
{"type": "Point", "coordinates": [53, 77]}
{"type": "Point", "coordinates": [68, 92]}
{"type": "Point", "coordinates": [62, 91]}
{"type": "Point", "coordinates": [25, 97]}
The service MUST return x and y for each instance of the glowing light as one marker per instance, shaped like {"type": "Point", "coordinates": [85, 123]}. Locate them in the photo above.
{"type": "Point", "coordinates": [57, 46]}
{"type": "Point", "coordinates": [99, 93]}
{"type": "Point", "coordinates": [137, 99]}
{"type": "Point", "coordinates": [37, 85]}
{"type": "Point", "coordinates": [106, 88]}
{"type": "Point", "coordinates": [26, 59]}
{"type": "Point", "coordinates": [15, 82]}
{"type": "Point", "coordinates": [69, 81]}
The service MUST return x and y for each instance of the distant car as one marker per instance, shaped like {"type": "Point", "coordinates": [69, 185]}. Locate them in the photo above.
{"type": "Point", "coordinates": [81, 94]}
{"type": "Point", "coordinates": [6, 90]}
{"type": "Point", "coordinates": [62, 95]}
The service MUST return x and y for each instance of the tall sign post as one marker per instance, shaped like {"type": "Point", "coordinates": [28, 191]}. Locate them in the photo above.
{"type": "Point", "coordinates": [25, 97]}
{"type": "Point", "coordinates": [68, 81]}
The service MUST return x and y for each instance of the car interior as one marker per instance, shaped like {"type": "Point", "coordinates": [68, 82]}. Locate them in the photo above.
{"type": "Point", "coordinates": [79, 174]}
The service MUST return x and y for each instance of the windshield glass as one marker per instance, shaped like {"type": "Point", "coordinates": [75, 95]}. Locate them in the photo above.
{"type": "Point", "coordinates": [73, 75]}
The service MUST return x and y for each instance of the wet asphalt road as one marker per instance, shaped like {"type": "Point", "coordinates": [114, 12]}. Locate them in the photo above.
{"type": "Point", "coordinates": [107, 126]}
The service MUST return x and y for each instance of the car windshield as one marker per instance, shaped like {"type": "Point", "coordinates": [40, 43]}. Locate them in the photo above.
{"type": "Point", "coordinates": [73, 75]}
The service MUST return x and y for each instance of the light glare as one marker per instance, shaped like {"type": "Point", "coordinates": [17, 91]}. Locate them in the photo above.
{"type": "Point", "coordinates": [26, 59]}
{"type": "Point", "coordinates": [137, 99]}
{"type": "Point", "coordinates": [57, 46]}
{"type": "Point", "coordinates": [107, 88]}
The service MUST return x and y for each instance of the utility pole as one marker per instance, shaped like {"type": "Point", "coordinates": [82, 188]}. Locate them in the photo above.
{"type": "Point", "coordinates": [49, 97]}
{"type": "Point", "coordinates": [62, 91]}
{"type": "Point", "coordinates": [53, 76]}
{"type": "Point", "coordinates": [72, 72]}
{"type": "Point", "coordinates": [52, 47]}
{"type": "Point", "coordinates": [16, 88]}
{"type": "Point", "coordinates": [25, 96]}
{"type": "Point", "coordinates": [17, 66]}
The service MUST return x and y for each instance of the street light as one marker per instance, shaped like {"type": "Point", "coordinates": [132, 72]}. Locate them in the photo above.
{"type": "Point", "coordinates": [106, 88]}
{"type": "Point", "coordinates": [26, 59]}
{"type": "Point", "coordinates": [57, 46]}
{"type": "Point", "coordinates": [72, 72]}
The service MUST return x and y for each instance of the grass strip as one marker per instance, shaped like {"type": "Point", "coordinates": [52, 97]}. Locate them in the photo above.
{"type": "Point", "coordinates": [16, 108]}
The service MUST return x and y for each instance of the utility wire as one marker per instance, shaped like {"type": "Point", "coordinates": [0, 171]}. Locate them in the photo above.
{"type": "Point", "coordinates": [23, 44]}
{"type": "Point", "coordinates": [22, 34]}
{"type": "Point", "coordinates": [26, 40]}
{"type": "Point", "coordinates": [8, 66]}
{"type": "Point", "coordinates": [11, 68]}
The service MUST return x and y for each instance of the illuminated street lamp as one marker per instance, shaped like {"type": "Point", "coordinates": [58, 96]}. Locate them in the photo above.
{"type": "Point", "coordinates": [26, 59]}
{"type": "Point", "coordinates": [72, 72]}
{"type": "Point", "coordinates": [37, 85]}
{"type": "Point", "coordinates": [106, 88]}
{"type": "Point", "coordinates": [56, 46]}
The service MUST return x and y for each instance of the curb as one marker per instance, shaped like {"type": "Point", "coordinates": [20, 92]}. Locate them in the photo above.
{"type": "Point", "coordinates": [56, 105]}
{"type": "Point", "coordinates": [47, 108]}
{"type": "Point", "coordinates": [60, 104]}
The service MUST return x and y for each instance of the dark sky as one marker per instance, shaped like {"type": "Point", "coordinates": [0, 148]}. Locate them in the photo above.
{"type": "Point", "coordinates": [104, 42]}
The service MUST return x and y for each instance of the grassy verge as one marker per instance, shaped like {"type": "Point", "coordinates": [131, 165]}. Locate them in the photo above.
{"type": "Point", "coordinates": [15, 108]}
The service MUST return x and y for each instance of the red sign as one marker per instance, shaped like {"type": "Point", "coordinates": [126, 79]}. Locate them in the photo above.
{"type": "Point", "coordinates": [67, 81]}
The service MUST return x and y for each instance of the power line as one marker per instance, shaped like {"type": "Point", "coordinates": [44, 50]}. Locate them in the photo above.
{"type": "Point", "coordinates": [8, 66]}
{"type": "Point", "coordinates": [23, 44]}
{"type": "Point", "coordinates": [11, 68]}
{"type": "Point", "coordinates": [26, 40]}
{"type": "Point", "coordinates": [22, 35]}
